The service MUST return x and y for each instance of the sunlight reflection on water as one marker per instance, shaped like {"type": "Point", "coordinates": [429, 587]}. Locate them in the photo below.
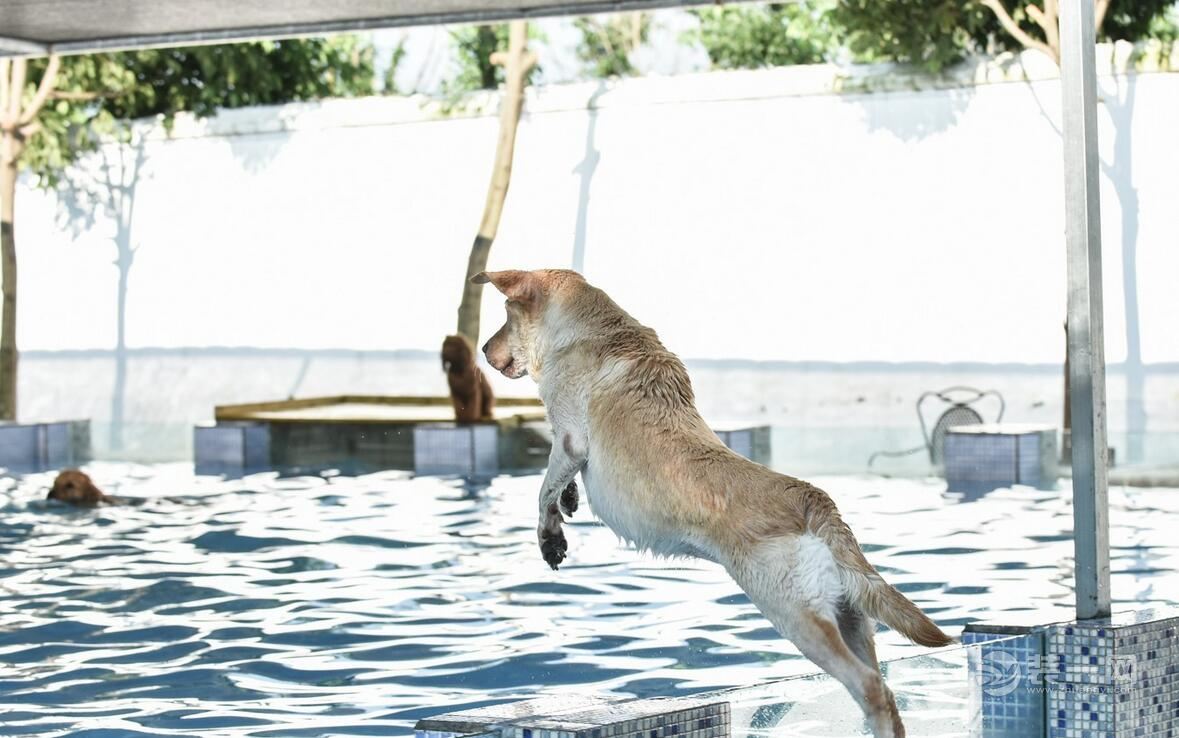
{"type": "Point", "coordinates": [356, 605]}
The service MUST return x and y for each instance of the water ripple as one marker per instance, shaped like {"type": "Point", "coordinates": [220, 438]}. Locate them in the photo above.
{"type": "Point", "coordinates": [309, 606]}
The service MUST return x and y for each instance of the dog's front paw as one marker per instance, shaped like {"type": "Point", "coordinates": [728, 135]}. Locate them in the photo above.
{"type": "Point", "coordinates": [553, 547]}
{"type": "Point", "coordinates": [569, 498]}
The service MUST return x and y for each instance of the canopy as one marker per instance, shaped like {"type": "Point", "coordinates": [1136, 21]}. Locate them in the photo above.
{"type": "Point", "coordinates": [38, 27]}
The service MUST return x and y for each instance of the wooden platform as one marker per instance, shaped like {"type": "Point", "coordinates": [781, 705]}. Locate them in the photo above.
{"type": "Point", "coordinates": [376, 409]}
{"type": "Point", "coordinates": [368, 432]}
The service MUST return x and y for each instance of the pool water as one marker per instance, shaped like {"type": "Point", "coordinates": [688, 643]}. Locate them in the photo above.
{"type": "Point", "coordinates": [353, 606]}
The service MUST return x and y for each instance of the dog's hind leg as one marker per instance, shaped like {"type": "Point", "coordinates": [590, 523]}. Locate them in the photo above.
{"type": "Point", "coordinates": [797, 587]}
{"type": "Point", "coordinates": [819, 639]}
{"type": "Point", "coordinates": [859, 632]}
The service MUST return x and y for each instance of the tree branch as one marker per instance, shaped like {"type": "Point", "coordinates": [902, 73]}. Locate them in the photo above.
{"type": "Point", "coordinates": [28, 130]}
{"type": "Point", "coordinates": [1047, 20]}
{"type": "Point", "coordinates": [79, 96]}
{"type": "Point", "coordinates": [16, 90]}
{"type": "Point", "coordinates": [5, 66]}
{"type": "Point", "coordinates": [1099, 13]}
{"type": "Point", "coordinates": [48, 80]}
{"type": "Point", "coordinates": [1018, 33]}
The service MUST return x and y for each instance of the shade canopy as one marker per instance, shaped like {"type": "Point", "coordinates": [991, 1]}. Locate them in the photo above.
{"type": "Point", "coordinates": [39, 27]}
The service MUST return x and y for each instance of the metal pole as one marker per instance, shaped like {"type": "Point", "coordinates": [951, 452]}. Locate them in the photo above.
{"type": "Point", "coordinates": [1086, 334]}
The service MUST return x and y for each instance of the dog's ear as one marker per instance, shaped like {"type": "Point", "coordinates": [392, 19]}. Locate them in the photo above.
{"type": "Point", "coordinates": [515, 284]}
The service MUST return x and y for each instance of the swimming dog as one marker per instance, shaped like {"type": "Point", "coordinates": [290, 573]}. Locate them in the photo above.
{"type": "Point", "coordinates": [469, 389]}
{"type": "Point", "coordinates": [75, 487]}
{"type": "Point", "coordinates": [623, 415]}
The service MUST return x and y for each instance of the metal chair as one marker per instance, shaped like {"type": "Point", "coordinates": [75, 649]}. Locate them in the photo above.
{"type": "Point", "coordinates": [961, 411]}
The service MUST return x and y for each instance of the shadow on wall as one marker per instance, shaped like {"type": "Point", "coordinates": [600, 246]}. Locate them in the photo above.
{"type": "Point", "coordinates": [586, 169]}
{"type": "Point", "coordinates": [108, 187]}
{"type": "Point", "coordinates": [938, 110]}
{"type": "Point", "coordinates": [1117, 94]}
{"type": "Point", "coordinates": [256, 149]}
{"type": "Point", "coordinates": [111, 192]}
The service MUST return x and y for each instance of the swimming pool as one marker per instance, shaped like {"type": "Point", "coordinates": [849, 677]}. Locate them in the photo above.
{"type": "Point", "coordinates": [353, 606]}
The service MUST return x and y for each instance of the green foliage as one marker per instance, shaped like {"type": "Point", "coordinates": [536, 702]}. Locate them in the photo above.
{"type": "Point", "coordinates": [97, 95]}
{"type": "Point", "coordinates": [752, 36]}
{"type": "Point", "coordinates": [1132, 20]}
{"type": "Point", "coordinates": [389, 81]}
{"type": "Point", "coordinates": [473, 47]}
{"type": "Point", "coordinates": [607, 44]}
{"type": "Point", "coordinates": [1165, 26]}
{"type": "Point", "coordinates": [936, 33]}
{"type": "Point", "coordinates": [930, 34]}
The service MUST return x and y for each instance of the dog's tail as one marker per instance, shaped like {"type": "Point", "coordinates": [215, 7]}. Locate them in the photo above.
{"type": "Point", "coordinates": [867, 590]}
{"type": "Point", "coordinates": [881, 601]}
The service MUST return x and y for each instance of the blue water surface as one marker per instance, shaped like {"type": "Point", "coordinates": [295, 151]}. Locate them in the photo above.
{"type": "Point", "coordinates": [352, 606]}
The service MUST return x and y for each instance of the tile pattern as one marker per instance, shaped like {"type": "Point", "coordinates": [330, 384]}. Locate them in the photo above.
{"type": "Point", "coordinates": [231, 447]}
{"type": "Point", "coordinates": [997, 455]}
{"type": "Point", "coordinates": [1112, 678]}
{"type": "Point", "coordinates": [32, 447]}
{"type": "Point", "coordinates": [448, 448]}
{"type": "Point", "coordinates": [1007, 695]}
{"type": "Point", "coordinates": [680, 717]}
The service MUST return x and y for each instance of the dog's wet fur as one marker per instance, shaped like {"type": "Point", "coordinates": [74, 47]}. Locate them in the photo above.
{"type": "Point", "coordinates": [624, 417]}
{"type": "Point", "coordinates": [470, 392]}
{"type": "Point", "coordinates": [74, 487]}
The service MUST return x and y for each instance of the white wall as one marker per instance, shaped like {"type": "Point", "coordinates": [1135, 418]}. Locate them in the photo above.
{"type": "Point", "coordinates": [744, 215]}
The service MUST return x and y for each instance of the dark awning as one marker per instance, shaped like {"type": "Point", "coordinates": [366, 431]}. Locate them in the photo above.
{"type": "Point", "coordinates": [37, 27]}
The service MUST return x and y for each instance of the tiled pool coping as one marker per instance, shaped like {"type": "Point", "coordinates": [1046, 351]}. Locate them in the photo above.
{"type": "Point", "coordinates": [1115, 677]}
{"type": "Point", "coordinates": [1111, 678]}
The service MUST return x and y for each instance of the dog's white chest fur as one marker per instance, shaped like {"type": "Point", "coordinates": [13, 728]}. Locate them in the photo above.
{"type": "Point", "coordinates": [606, 501]}
{"type": "Point", "coordinates": [609, 499]}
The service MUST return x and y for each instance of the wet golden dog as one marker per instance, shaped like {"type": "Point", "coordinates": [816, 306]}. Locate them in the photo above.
{"type": "Point", "coordinates": [624, 416]}
{"type": "Point", "coordinates": [470, 391]}
{"type": "Point", "coordinates": [75, 487]}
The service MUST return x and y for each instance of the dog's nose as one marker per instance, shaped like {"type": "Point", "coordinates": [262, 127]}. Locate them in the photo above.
{"type": "Point", "coordinates": [484, 349]}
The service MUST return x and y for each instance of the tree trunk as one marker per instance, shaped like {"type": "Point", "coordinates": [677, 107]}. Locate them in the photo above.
{"type": "Point", "coordinates": [18, 121]}
{"type": "Point", "coordinates": [9, 154]}
{"type": "Point", "coordinates": [516, 63]}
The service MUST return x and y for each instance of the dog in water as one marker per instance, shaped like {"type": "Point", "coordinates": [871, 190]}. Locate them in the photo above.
{"type": "Point", "coordinates": [469, 389]}
{"type": "Point", "coordinates": [624, 416]}
{"type": "Point", "coordinates": [75, 487]}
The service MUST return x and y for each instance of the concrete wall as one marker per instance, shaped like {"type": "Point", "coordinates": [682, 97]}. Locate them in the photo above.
{"type": "Point", "coordinates": [745, 215]}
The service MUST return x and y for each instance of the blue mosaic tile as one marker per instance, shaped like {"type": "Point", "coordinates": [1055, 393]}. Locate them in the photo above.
{"type": "Point", "coordinates": [560, 717]}
{"type": "Point", "coordinates": [1007, 697]}
{"type": "Point", "coordinates": [1114, 678]}
{"type": "Point", "coordinates": [1111, 678]}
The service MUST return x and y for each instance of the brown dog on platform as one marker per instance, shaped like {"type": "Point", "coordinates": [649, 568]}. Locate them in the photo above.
{"type": "Point", "coordinates": [469, 389]}
{"type": "Point", "coordinates": [75, 487]}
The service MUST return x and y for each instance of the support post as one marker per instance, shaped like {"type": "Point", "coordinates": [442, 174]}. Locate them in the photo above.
{"type": "Point", "coordinates": [1086, 334]}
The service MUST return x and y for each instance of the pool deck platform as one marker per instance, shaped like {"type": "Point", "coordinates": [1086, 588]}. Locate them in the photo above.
{"type": "Point", "coordinates": [370, 433]}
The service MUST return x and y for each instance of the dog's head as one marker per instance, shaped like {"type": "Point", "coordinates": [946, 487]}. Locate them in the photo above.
{"type": "Point", "coordinates": [457, 353]}
{"type": "Point", "coordinates": [74, 487]}
{"type": "Point", "coordinates": [514, 350]}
